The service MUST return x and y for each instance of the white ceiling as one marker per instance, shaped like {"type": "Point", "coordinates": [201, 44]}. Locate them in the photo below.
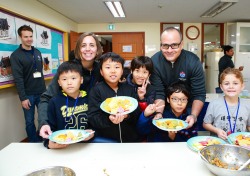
{"type": "Point", "coordinates": [149, 11]}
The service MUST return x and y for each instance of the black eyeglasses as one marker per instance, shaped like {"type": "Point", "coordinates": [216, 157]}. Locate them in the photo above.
{"type": "Point", "coordinates": [173, 45]}
{"type": "Point", "coordinates": [182, 100]}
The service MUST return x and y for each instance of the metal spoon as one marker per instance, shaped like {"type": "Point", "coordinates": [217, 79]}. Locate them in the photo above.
{"type": "Point", "coordinates": [244, 165]}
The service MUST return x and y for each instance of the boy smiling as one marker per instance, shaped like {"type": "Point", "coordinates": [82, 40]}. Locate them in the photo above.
{"type": "Point", "coordinates": [119, 127]}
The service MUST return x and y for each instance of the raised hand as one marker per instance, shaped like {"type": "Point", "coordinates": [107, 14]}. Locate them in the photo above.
{"type": "Point", "coordinates": [141, 91]}
{"type": "Point", "coordinates": [152, 108]}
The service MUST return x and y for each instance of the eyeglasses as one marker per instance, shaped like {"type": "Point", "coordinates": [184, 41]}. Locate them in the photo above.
{"type": "Point", "coordinates": [182, 100]}
{"type": "Point", "coordinates": [173, 45]}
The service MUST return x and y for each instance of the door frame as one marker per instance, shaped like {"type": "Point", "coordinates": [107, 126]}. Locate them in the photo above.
{"type": "Point", "coordinates": [111, 33]}
{"type": "Point", "coordinates": [202, 38]}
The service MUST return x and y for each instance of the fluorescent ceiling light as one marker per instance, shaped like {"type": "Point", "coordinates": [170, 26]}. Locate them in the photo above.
{"type": "Point", "coordinates": [218, 8]}
{"type": "Point", "coordinates": [115, 7]}
{"type": "Point", "coordinates": [118, 6]}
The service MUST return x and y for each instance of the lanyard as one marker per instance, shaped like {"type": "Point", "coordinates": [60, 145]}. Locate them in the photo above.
{"type": "Point", "coordinates": [67, 103]}
{"type": "Point", "coordinates": [229, 118]}
{"type": "Point", "coordinates": [32, 52]}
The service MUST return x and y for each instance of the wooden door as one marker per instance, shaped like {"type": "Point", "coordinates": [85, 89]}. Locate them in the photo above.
{"type": "Point", "coordinates": [128, 45]}
{"type": "Point", "coordinates": [73, 39]}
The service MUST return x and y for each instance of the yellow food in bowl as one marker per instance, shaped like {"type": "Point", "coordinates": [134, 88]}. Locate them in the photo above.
{"type": "Point", "coordinates": [170, 124]}
{"type": "Point", "coordinates": [69, 136]}
{"type": "Point", "coordinates": [115, 105]}
{"type": "Point", "coordinates": [242, 140]}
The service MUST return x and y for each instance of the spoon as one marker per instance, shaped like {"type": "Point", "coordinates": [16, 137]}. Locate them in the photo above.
{"type": "Point", "coordinates": [244, 165]}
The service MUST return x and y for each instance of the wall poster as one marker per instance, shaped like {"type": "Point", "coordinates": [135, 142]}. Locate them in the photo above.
{"type": "Point", "coordinates": [48, 40]}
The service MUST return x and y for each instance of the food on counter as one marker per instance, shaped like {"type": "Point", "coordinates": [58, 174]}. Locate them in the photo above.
{"type": "Point", "coordinates": [105, 172]}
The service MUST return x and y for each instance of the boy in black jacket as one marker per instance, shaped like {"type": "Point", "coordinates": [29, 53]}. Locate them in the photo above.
{"type": "Point", "coordinates": [119, 127]}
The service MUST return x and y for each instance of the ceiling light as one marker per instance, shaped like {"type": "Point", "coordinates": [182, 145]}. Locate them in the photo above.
{"type": "Point", "coordinates": [115, 7]}
{"type": "Point", "coordinates": [218, 8]}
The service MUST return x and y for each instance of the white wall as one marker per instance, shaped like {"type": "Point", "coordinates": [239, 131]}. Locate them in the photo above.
{"type": "Point", "coordinates": [12, 127]}
{"type": "Point", "coordinates": [196, 41]}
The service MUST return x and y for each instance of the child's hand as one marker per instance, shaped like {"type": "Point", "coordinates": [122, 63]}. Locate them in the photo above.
{"type": "Point", "coordinates": [54, 145]}
{"type": "Point", "coordinates": [172, 134]}
{"type": "Point", "coordinates": [141, 91]}
{"type": "Point", "coordinates": [117, 118]}
{"type": "Point", "coordinates": [190, 120]}
{"type": "Point", "coordinates": [90, 136]}
{"type": "Point", "coordinates": [221, 134]}
{"type": "Point", "coordinates": [45, 131]}
{"type": "Point", "coordinates": [152, 108]}
{"type": "Point", "coordinates": [157, 116]}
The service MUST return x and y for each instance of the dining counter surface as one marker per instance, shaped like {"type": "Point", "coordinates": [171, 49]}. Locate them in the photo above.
{"type": "Point", "coordinates": [105, 159]}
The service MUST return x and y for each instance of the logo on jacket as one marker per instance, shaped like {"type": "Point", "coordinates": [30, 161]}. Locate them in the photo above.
{"type": "Point", "coordinates": [39, 58]}
{"type": "Point", "coordinates": [182, 74]}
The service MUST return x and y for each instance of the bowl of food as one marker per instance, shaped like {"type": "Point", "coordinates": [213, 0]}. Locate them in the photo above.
{"type": "Point", "coordinates": [226, 159]}
{"type": "Point", "coordinates": [53, 171]}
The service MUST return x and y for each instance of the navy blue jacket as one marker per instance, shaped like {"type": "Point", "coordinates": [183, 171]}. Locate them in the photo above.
{"type": "Point", "coordinates": [60, 113]}
{"type": "Point", "coordinates": [187, 68]}
{"type": "Point", "coordinates": [90, 78]}
{"type": "Point", "coordinates": [154, 134]}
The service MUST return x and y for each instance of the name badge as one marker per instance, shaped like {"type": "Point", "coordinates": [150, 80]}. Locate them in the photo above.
{"type": "Point", "coordinates": [37, 75]}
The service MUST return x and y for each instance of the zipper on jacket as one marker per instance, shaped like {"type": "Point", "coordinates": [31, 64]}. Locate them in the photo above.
{"type": "Point", "coordinates": [120, 130]}
{"type": "Point", "coordinates": [172, 64]}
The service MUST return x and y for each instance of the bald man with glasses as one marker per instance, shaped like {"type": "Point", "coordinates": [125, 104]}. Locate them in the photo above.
{"type": "Point", "coordinates": [174, 64]}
